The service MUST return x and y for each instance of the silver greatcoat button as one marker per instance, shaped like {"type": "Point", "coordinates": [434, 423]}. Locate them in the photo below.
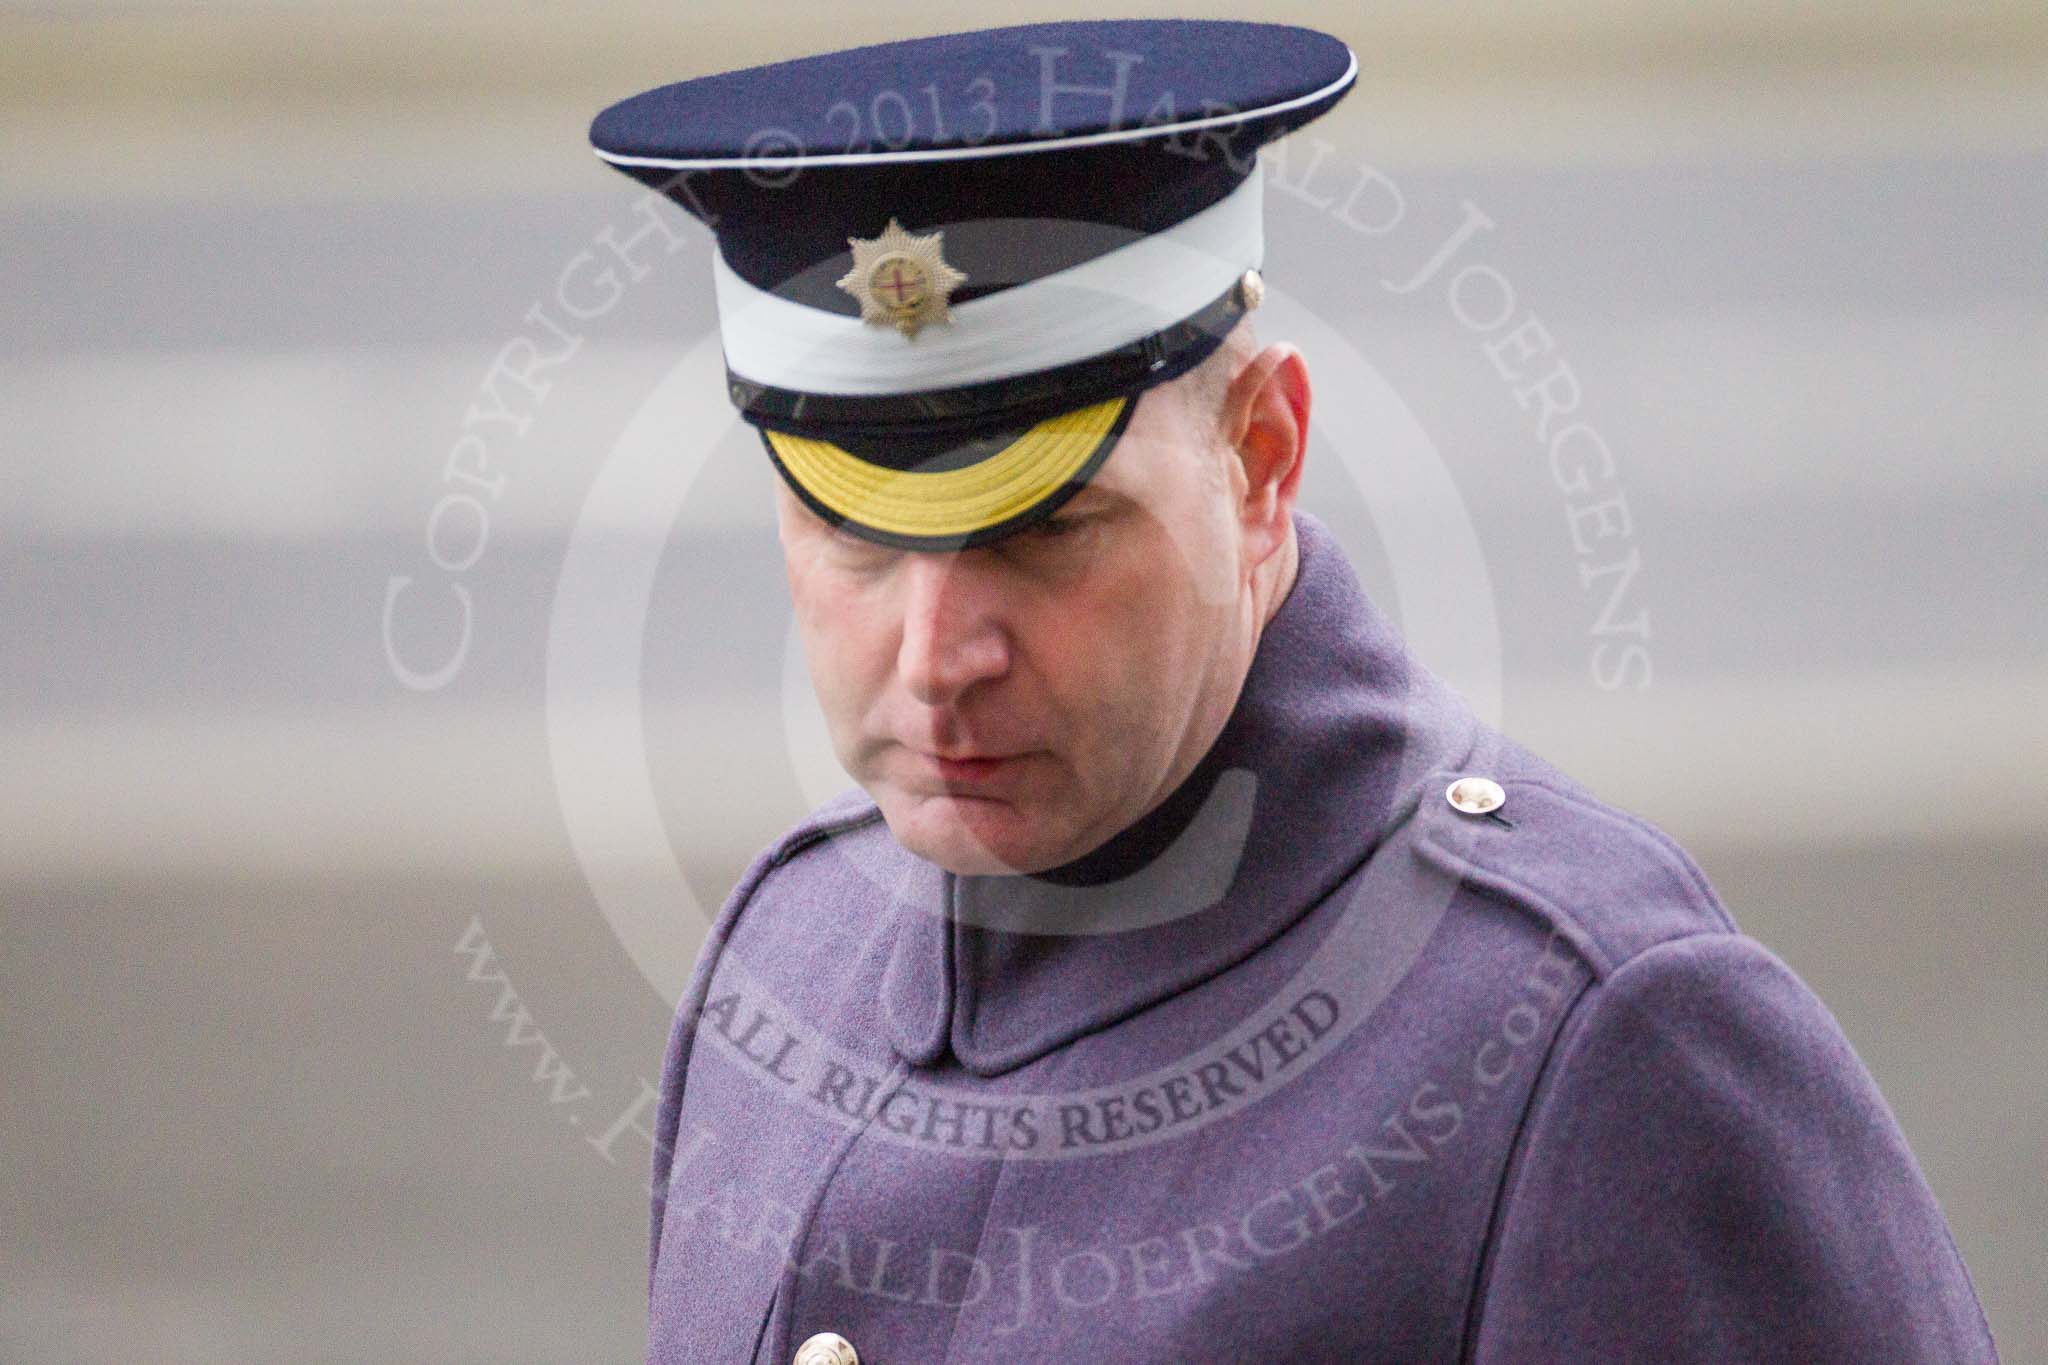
{"type": "Point", "coordinates": [826, 1348]}
{"type": "Point", "coordinates": [1476, 795]}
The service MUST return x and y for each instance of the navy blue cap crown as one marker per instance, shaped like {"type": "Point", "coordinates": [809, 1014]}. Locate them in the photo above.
{"type": "Point", "coordinates": [1129, 126]}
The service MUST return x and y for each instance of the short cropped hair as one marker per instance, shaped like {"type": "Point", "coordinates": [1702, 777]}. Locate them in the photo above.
{"type": "Point", "coordinates": [1203, 388]}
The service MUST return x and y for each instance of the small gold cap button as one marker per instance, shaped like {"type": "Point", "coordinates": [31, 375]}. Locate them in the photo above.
{"type": "Point", "coordinates": [826, 1348]}
{"type": "Point", "coordinates": [1476, 795]}
{"type": "Point", "coordinates": [1251, 289]}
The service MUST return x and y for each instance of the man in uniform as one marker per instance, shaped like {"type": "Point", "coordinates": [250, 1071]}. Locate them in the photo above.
{"type": "Point", "coordinates": [1195, 977]}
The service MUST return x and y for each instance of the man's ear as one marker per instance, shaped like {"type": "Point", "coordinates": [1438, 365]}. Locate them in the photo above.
{"type": "Point", "coordinates": [1265, 421]}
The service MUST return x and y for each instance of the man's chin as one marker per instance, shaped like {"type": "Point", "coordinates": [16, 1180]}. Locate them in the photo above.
{"type": "Point", "coordinates": [973, 836]}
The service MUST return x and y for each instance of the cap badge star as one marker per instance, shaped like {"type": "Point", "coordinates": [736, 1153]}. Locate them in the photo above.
{"type": "Point", "coordinates": [900, 280]}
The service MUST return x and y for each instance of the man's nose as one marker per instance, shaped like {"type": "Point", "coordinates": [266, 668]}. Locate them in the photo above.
{"type": "Point", "coordinates": [953, 632]}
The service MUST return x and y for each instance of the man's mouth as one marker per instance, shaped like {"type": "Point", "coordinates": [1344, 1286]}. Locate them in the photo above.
{"type": "Point", "coordinates": [966, 769]}
{"type": "Point", "coordinates": [969, 770]}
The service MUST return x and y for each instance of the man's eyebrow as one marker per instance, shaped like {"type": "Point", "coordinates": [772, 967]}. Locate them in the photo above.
{"type": "Point", "coordinates": [1094, 498]}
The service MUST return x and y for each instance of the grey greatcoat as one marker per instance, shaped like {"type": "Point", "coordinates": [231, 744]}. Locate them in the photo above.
{"type": "Point", "coordinates": [1308, 1065]}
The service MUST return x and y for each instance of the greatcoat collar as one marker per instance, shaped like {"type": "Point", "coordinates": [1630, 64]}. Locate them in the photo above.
{"type": "Point", "coordinates": [1322, 757]}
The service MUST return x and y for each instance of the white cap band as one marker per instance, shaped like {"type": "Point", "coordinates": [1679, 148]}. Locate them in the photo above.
{"type": "Point", "coordinates": [1072, 315]}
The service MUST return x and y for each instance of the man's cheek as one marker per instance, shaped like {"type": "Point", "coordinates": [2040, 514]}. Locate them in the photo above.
{"type": "Point", "coordinates": [838, 700]}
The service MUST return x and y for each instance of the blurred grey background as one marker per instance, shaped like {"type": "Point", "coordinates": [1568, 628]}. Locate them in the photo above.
{"type": "Point", "coordinates": [283, 935]}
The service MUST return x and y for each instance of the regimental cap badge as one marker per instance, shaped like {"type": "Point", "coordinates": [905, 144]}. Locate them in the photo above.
{"type": "Point", "coordinates": [901, 280]}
